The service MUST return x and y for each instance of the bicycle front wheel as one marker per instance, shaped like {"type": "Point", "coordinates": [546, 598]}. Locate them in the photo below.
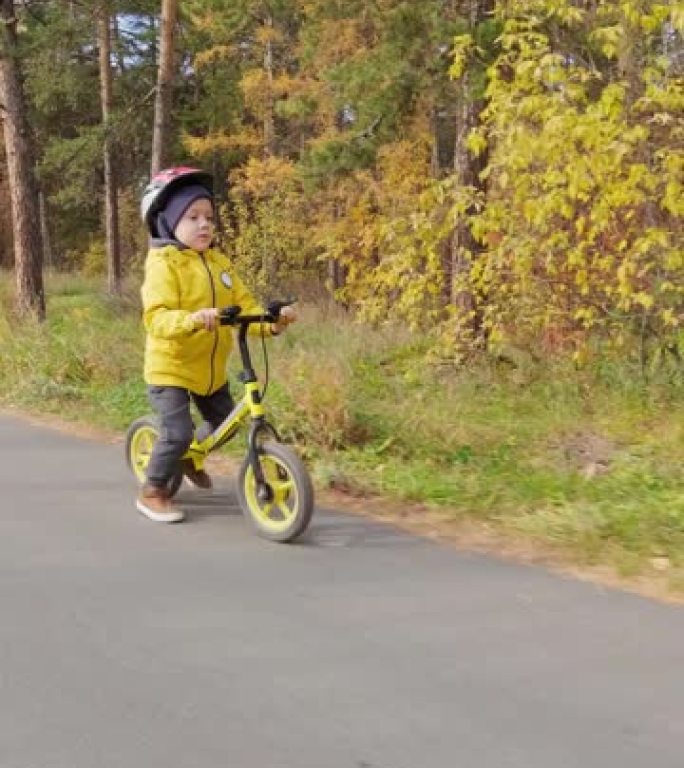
{"type": "Point", "coordinates": [288, 512]}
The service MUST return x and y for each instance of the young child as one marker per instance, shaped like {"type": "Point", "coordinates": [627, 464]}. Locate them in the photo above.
{"type": "Point", "coordinates": [186, 351]}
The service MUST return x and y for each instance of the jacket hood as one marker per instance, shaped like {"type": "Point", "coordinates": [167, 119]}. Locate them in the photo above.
{"type": "Point", "coordinates": [162, 242]}
{"type": "Point", "coordinates": [165, 242]}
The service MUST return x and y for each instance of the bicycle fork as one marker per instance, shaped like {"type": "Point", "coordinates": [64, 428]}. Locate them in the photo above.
{"type": "Point", "coordinates": [259, 426]}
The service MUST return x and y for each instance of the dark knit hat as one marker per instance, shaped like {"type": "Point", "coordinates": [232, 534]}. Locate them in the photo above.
{"type": "Point", "coordinates": [177, 205]}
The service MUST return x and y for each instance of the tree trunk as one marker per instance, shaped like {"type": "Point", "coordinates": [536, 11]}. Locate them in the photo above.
{"type": "Point", "coordinates": [630, 58]}
{"type": "Point", "coordinates": [111, 196]}
{"type": "Point", "coordinates": [162, 103]}
{"type": "Point", "coordinates": [467, 169]}
{"type": "Point", "coordinates": [23, 184]}
{"type": "Point", "coordinates": [337, 277]}
{"type": "Point", "coordinates": [442, 124]}
{"type": "Point", "coordinates": [269, 119]}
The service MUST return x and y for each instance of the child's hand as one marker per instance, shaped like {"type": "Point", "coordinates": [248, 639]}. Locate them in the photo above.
{"type": "Point", "coordinates": [206, 317]}
{"type": "Point", "coordinates": [287, 315]}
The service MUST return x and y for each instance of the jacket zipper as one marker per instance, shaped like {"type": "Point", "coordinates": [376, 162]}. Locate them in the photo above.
{"type": "Point", "coordinates": [213, 304]}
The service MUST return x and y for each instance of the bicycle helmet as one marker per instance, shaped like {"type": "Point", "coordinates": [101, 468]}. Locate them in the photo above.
{"type": "Point", "coordinates": [163, 185]}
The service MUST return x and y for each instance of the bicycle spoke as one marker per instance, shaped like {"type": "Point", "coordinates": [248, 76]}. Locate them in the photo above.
{"type": "Point", "coordinates": [285, 510]}
{"type": "Point", "coordinates": [282, 489]}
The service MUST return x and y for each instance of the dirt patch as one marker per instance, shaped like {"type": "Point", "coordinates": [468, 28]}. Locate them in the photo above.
{"type": "Point", "coordinates": [586, 452]}
{"type": "Point", "coordinates": [421, 520]}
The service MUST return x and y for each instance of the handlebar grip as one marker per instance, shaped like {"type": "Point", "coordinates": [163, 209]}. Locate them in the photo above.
{"type": "Point", "coordinates": [227, 315]}
{"type": "Point", "coordinates": [274, 307]}
{"type": "Point", "coordinates": [232, 315]}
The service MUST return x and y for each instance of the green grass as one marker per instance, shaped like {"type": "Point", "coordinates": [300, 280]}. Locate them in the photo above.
{"type": "Point", "coordinates": [84, 362]}
{"type": "Point", "coordinates": [587, 463]}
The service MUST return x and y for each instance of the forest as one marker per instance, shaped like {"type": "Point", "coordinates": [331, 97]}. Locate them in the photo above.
{"type": "Point", "coordinates": [477, 198]}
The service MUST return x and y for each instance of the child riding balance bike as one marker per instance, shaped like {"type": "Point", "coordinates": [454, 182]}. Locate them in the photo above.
{"type": "Point", "coordinates": [192, 299]}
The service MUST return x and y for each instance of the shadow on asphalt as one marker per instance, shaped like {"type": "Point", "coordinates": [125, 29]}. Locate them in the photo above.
{"type": "Point", "coordinates": [327, 529]}
{"type": "Point", "coordinates": [200, 504]}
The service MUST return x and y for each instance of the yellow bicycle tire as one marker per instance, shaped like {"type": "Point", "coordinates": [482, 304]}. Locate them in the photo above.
{"type": "Point", "coordinates": [287, 516]}
{"type": "Point", "coordinates": [140, 439]}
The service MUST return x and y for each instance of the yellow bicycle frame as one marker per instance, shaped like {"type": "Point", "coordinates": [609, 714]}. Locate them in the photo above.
{"type": "Point", "coordinates": [248, 407]}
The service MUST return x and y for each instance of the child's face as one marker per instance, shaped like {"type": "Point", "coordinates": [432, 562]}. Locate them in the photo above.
{"type": "Point", "coordinates": [196, 227]}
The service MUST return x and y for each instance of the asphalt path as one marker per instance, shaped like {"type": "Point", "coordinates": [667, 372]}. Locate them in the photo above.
{"type": "Point", "coordinates": [130, 644]}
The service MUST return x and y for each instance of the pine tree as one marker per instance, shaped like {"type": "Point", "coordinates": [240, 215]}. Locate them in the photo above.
{"type": "Point", "coordinates": [21, 169]}
{"type": "Point", "coordinates": [64, 86]}
{"type": "Point", "coordinates": [163, 100]}
{"type": "Point", "coordinates": [110, 180]}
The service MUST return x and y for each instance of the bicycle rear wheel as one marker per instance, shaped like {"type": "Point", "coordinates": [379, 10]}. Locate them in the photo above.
{"type": "Point", "coordinates": [141, 436]}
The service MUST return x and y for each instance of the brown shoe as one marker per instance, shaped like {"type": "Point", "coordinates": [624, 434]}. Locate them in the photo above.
{"type": "Point", "coordinates": [154, 503]}
{"type": "Point", "coordinates": [198, 478]}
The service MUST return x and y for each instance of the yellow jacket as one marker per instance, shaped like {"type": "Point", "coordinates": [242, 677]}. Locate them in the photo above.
{"type": "Point", "coordinates": [178, 351]}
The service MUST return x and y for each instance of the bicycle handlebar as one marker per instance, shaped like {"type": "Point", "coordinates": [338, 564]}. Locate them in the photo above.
{"type": "Point", "coordinates": [231, 315]}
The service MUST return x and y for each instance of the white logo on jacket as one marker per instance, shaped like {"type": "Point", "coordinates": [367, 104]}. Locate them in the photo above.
{"type": "Point", "coordinates": [225, 279]}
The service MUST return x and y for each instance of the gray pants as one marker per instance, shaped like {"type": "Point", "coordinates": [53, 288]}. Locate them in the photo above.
{"type": "Point", "coordinates": [172, 404]}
